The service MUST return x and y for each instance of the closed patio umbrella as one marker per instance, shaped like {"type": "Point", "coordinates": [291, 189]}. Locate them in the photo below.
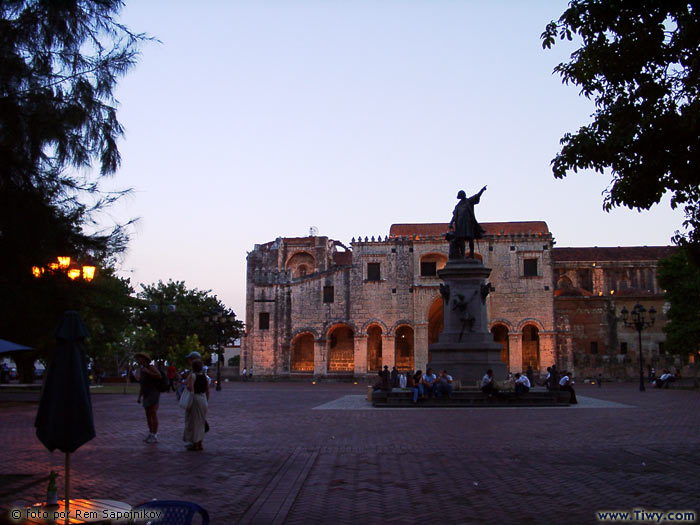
{"type": "Point", "coordinates": [64, 418]}
{"type": "Point", "coordinates": [8, 346]}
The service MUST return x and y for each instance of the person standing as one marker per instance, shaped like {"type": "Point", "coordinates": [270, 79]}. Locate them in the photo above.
{"type": "Point", "coordinates": [385, 376]}
{"type": "Point", "coordinates": [172, 374]}
{"type": "Point", "coordinates": [394, 377]}
{"type": "Point", "coordinates": [149, 376]}
{"type": "Point", "coordinates": [565, 384]}
{"type": "Point", "coordinates": [196, 413]}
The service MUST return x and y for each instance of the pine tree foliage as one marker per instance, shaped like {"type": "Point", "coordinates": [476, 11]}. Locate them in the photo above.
{"type": "Point", "coordinates": [60, 61]}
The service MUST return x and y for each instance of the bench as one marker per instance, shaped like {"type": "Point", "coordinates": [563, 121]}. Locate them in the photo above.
{"type": "Point", "coordinates": [470, 398]}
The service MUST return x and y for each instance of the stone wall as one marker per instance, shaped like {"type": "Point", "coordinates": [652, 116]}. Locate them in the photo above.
{"type": "Point", "coordinates": [327, 301]}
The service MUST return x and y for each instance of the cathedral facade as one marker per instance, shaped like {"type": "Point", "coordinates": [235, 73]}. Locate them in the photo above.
{"type": "Point", "coordinates": [316, 307]}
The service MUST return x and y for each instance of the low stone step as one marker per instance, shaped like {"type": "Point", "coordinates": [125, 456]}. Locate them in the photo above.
{"type": "Point", "coordinates": [471, 399]}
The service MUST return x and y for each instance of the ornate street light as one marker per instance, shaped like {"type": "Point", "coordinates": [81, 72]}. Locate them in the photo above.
{"type": "Point", "coordinates": [639, 322]}
{"type": "Point", "coordinates": [63, 264]}
{"type": "Point", "coordinates": [161, 310]}
{"type": "Point", "coordinates": [219, 321]}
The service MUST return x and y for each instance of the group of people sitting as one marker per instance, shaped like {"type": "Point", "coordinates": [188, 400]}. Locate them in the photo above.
{"type": "Point", "coordinates": [665, 380]}
{"type": "Point", "coordinates": [421, 385]}
{"type": "Point", "coordinates": [522, 384]}
{"type": "Point", "coordinates": [432, 385]}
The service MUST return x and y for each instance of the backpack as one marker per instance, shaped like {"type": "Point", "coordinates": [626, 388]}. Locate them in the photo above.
{"type": "Point", "coordinates": [163, 384]}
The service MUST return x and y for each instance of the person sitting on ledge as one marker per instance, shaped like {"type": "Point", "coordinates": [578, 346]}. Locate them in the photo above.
{"type": "Point", "coordinates": [444, 385]}
{"type": "Point", "coordinates": [565, 384]}
{"type": "Point", "coordinates": [522, 384]}
{"type": "Point", "coordinates": [428, 382]}
{"type": "Point", "coordinates": [413, 383]}
{"type": "Point", "coordinates": [666, 379]}
{"type": "Point", "coordinates": [488, 386]}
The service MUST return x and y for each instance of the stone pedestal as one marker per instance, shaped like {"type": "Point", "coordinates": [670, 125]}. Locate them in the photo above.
{"type": "Point", "coordinates": [466, 348]}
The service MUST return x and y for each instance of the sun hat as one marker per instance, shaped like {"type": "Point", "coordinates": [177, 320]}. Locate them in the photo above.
{"type": "Point", "coordinates": [144, 355]}
{"type": "Point", "coordinates": [194, 354]}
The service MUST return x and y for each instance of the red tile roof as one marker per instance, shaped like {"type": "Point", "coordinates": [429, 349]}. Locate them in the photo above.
{"type": "Point", "coordinates": [492, 228]}
{"type": "Point", "coordinates": [624, 253]}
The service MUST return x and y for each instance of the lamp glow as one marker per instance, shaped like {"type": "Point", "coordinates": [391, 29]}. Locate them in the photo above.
{"type": "Point", "coordinates": [88, 273]}
{"type": "Point", "coordinates": [63, 262]}
{"type": "Point", "coordinates": [73, 273]}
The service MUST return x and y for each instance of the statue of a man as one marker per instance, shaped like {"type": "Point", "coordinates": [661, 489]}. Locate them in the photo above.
{"type": "Point", "coordinates": [464, 224]}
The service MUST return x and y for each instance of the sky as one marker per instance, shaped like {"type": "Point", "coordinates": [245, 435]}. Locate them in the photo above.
{"type": "Point", "coordinates": [252, 120]}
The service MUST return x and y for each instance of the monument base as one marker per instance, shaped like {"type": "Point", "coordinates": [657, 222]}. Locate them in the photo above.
{"type": "Point", "coordinates": [467, 365]}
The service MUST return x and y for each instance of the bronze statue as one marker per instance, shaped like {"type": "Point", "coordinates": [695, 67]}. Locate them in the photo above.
{"type": "Point", "coordinates": [464, 225]}
{"type": "Point", "coordinates": [461, 305]}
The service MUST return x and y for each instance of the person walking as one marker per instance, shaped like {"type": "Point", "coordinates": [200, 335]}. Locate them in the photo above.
{"type": "Point", "coordinates": [196, 412]}
{"type": "Point", "coordinates": [149, 395]}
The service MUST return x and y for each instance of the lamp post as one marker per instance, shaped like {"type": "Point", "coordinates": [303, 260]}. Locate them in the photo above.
{"type": "Point", "coordinates": [161, 309]}
{"type": "Point", "coordinates": [63, 264]}
{"type": "Point", "coordinates": [219, 321]}
{"type": "Point", "coordinates": [639, 322]}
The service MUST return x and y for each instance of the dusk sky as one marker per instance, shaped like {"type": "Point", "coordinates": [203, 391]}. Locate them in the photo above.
{"type": "Point", "coordinates": [258, 119]}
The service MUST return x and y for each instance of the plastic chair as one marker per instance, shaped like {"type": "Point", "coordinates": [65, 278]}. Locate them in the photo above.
{"type": "Point", "coordinates": [174, 512]}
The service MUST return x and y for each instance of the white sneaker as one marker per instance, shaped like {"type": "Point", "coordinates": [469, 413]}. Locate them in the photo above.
{"type": "Point", "coordinates": [150, 439]}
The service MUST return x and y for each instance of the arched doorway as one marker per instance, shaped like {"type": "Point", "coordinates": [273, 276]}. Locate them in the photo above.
{"type": "Point", "coordinates": [500, 335]}
{"type": "Point", "coordinates": [435, 323]}
{"type": "Point", "coordinates": [531, 347]}
{"type": "Point", "coordinates": [341, 350]}
{"type": "Point", "coordinates": [303, 353]}
{"type": "Point", "coordinates": [374, 348]}
{"type": "Point", "coordinates": [403, 348]}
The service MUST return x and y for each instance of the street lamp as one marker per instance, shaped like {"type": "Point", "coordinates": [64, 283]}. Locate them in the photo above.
{"type": "Point", "coordinates": [73, 271]}
{"type": "Point", "coordinates": [219, 321]}
{"type": "Point", "coordinates": [639, 323]}
{"type": "Point", "coordinates": [161, 309]}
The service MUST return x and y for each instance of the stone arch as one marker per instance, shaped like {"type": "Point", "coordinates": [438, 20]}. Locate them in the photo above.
{"type": "Point", "coordinates": [500, 335]}
{"type": "Point", "coordinates": [404, 347]}
{"type": "Point", "coordinates": [332, 324]}
{"type": "Point", "coordinates": [372, 321]}
{"type": "Point", "coordinates": [531, 347]}
{"type": "Point", "coordinates": [341, 348]}
{"type": "Point", "coordinates": [302, 352]}
{"type": "Point", "coordinates": [308, 329]}
{"type": "Point", "coordinates": [300, 264]}
{"type": "Point", "coordinates": [374, 347]}
{"type": "Point", "coordinates": [531, 321]}
{"type": "Point", "coordinates": [399, 323]}
{"type": "Point", "coordinates": [499, 320]}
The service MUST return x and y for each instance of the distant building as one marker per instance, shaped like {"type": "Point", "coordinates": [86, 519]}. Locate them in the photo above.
{"type": "Point", "coordinates": [316, 307]}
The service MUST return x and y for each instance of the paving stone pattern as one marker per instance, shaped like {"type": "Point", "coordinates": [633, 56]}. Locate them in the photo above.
{"type": "Point", "coordinates": [271, 458]}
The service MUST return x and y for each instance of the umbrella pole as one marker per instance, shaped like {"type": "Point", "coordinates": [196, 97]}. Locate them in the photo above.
{"type": "Point", "coordinates": [67, 487]}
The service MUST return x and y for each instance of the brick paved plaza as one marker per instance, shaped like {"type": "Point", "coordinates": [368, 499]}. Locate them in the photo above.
{"type": "Point", "coordinates": [301, 453]}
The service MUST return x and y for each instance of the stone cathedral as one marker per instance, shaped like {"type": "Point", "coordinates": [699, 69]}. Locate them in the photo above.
{"type": "Point", "coordinates": [318, 308]}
